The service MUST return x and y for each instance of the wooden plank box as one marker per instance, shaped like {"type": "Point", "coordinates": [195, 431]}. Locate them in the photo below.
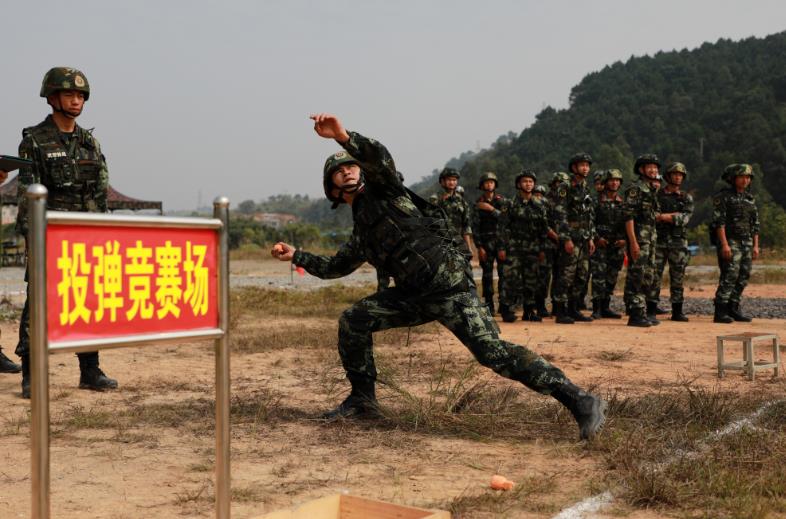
{"type": "Point", "coordinates": [341, 506]}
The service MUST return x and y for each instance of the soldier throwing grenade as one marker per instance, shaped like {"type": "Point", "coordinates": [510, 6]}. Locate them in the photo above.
{"type": "Point", "coordinates": [433, 280]}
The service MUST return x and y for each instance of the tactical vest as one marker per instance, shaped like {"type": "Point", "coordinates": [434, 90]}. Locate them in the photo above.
{"type": "Point", "coordinates": [579, 210]}
{"type": "Point", "coordinates": [740, 212]}
{"type": "Point", "coordinates": [523, 220]}
{"type": "Point", "coordinates": [671, 203]}
{"type": "Point", "coordinates": [487, 222]}
{"type": "Point", "coordinates": [398, 238]}
{"type": "Point", "coordinates": [610, 218]}
{"type": "Point", "coordinates": [647, 205]}
{"type": "Point", "coordinates": [71, 174]}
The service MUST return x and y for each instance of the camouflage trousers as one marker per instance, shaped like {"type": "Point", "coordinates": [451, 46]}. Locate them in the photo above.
{"type": "Point", "coordinates": [572, 272]}
{"type": "Point", "coordinates": [545, 270]}
{"type": "Point", "coordinates": [487, 266]}
{"type": "Point", "coordinates": [520, 279]}
{"type": "Point", "coordinates": [677, 257]}
{"type": "Point", "coordinates": [639, 279]}
{"type": "Point", "coordinates": [734, 274]}
{"type": "Point", "coordinates": [605, 264]}
{"type": "Point", "coordinates": [450, 298]}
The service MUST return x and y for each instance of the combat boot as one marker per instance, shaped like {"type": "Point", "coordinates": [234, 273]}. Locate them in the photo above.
{"type": "Point", "coordinates": [91, 376]}
{"type": "Point", "coordinates": [651, 313]}
{"type": "Point", "coordinates": [560, 316]}
{"type": "Point", "coordinates": [605, 310]}
{"type": "Point", "coordinates": [737, 315]}
{"type": "Point", "coordinates": [507, 314]}
{"type": "Point", "coordinates": [573, 311]}
{"type": "Point", "coordinates": [676, 313]}
{"type": "Point", "coordinates": [361, 402]}
{"type": "Point", "coordinates": [659, 310]}
{"type": "Point", "coordinates": [596, 306]}
{"type": "Point", "coordinates": [588, 409]}
{"type": "Point", "coordinates": [543, 312]}
{"type": "Point", "coordinates": [637, 318]}
{"type": "Point", "coordinates": [722, 314]}
{"type": "Point", "coordinates": [25, 376]}
{"type": "Point", "coordinates": [530, 315]}
{"type": "Point", "coordinates": [7, 365]}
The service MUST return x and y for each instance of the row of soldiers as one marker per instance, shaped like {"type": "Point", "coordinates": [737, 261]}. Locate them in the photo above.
{"type": "Point", "coordinates": [552, 241]}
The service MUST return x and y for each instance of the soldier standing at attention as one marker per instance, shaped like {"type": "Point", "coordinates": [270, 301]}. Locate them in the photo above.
{"type": "Point", "coordinates": [456, 208]}
{"type": "Point", "coordinates": [523, 229]}
{"type": "Point", "coordinates": [552, 249]}
{"type": "Point", "coordinates": [735, 225]}
{"type": "Point", "coordinates": [393, 229]}
{"type": "Point", "coordinates": [488, 209]}
{"type": "Point", "coordinates": [597, 183]}
{"type": "Point", "coordinates": [641, 209]}
{"type": "Point", "coordinates": [67, 159]}
{"type": "Point", "coordinates": [573, 210]}
{"type": "Point", "coordinates": [676, 208]}
{"type": "Point", "coordinates": [609, 245]}
{"type": "Point", "coordinates": [546, 264]}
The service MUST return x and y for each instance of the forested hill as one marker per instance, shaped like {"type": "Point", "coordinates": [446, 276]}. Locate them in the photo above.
{"type": "Point", "coordinates": [721, 103]}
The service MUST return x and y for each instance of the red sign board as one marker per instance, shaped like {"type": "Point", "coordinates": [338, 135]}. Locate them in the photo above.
{"type": "Point", "coordinates": [105, 282]}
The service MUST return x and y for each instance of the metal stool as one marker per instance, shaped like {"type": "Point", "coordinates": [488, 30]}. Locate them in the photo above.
{"type": "Point", "coordinates": [748, 363]}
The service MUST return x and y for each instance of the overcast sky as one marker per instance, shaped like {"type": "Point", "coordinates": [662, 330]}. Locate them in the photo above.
{"type": "Point", "coordinates": [206, 98]}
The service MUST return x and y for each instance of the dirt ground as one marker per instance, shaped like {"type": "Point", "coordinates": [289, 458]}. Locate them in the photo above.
{"type": "Point", "coordinates": [146, 450]}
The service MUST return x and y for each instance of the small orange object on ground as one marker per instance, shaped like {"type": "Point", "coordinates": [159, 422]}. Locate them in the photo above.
{"type": "Point", "coordinates": [501, 483]}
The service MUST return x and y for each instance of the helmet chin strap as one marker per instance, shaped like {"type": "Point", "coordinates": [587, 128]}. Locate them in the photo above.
{"type": "Point", "coordinates": [66, 113]}
{"type": "Point", "coordinates": [351, 188]}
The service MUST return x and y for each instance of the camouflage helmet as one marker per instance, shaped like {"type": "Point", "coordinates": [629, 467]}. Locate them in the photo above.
{"type": "Point", "coordinates": [598, 176]}
{"type": "Point", "coordinates": [64, 78]}
{"type": "Point", "coordinates": [449, 172]}
{"type": "Point", "coordinates": [675, 167]}
{"type": "Point", "coordinates": [488, 175]}
{"type": "Point", "coordinates": [331, 164]}
{"type": "Point", "coordinates": [579, 157]}
{"type": "Point", "coordinates": [612, 174]}
{"type": "Point", "coordinates": [540, 188]}
{"type": "Point", "coordinates": [647, 158]}
{"type": "Point", "coordinates": [559, 176]}
{"type": "Point", "coordinates": [525, 173]}
{"type": "Point", "coordinates": [732, 171]}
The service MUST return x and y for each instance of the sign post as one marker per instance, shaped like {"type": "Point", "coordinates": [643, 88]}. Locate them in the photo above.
{"type": "Point", "coordinates": [101, 281]}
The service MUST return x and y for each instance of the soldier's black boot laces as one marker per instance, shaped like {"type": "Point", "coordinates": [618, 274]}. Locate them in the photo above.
{"type": "Point", "coordinates": [588, 410]}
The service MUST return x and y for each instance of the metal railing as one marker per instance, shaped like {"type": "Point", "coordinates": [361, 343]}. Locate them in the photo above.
{"type": "Point", "coordinates": [38, 219]}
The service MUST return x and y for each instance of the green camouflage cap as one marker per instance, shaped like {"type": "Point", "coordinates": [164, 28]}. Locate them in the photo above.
{"type": "Point", "coordinates": [540, 188]}
{"type": "Point", "coordinates": [737, 170]}
{"type": "Point", "coordinates": [331, 164]}
{"type": "Point", "coordinates": [449, 172]}
{"type": "Point", "coordinates": [488, 175]}
{"type": "Point", "coordinates": [612, 174]}
{"type": "Point", "coordinates": [676, 167]}
{"type": "Point", "coordinates": [527, 173]}
{"type": "Point", "coordinates": [598, 176]}
{"type": "Point", "coordinates": [64, 78]}
{"type": "Point", "coordinates": [647, 158]}
{"type": "Point", "coordinates": [559, 176]}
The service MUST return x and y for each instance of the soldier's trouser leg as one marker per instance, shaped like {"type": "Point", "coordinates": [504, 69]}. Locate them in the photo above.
{"type": "Point", "coordinates": [512, 290]}
{"type": "Point", "coordinates": [565, 276]}
{"type": "Point", "coordinates": [614, 259]}
{"type": "Point", "coordinates": [678, 263]}
{"type": "Point", "coordinates": [736, 272]}
{"type": "Point", "coordinates": [598, 267]}
{"type": "Point", "coordinates": [529, 278]}
{"type": "Point", "coordinates": [638, 278]}
{"type": "Point", "coordinates": [661, 258]}
{"type": "Point", "coordinates": [487, 281]}
{"type": "Point", "coordinates": [544, 276]}
{"type": "Point", "coordinates": [581, 252]}
{"type": "Point", "coordinates": [464, 315]}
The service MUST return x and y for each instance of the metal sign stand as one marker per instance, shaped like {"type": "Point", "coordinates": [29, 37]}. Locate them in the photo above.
{"type": "Point", "coordinates": [40, 348]}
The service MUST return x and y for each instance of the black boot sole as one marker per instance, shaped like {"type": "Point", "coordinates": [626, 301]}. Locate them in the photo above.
{"type": "Point", "coordinates": [593, 425]}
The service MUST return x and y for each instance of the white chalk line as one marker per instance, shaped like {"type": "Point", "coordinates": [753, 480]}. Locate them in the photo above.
{"type": "Point", "coordinates": [595, 503]}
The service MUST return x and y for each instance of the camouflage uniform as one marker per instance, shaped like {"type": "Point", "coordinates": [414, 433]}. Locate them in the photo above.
{"type": "Point", "coordinates": [486, 237]}
{"type": "Point", "coordinates": [73, 169]}
{"type": "Point", "coordinates": [433, 282]}
{"type": "Point", "coordinates": [458, 212]}
{"type": "Point", "coordinates": [672, 245]}
{"type": "Point", "coordinates": [737, 213]}
{"type": "Point", "coordinates": [574, 219]}
{"type": "Point", "coordinates": [641, 206]}
{"type": "Point", "coordinates": [551, 248]}
{"type": "Point", "coordinates": [608, 259]}
{"type": "Point", "coordinates": [523, 229]}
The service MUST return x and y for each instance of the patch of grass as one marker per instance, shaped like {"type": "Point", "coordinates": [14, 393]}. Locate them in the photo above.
{"type": "Point", "coordinates": [322, 302]}
{"type": "Point", "coordinates": [663, 450]}
{"type": "Point", "coordinates": [529, 495]}
{"type": "Point", "coordinates": [14, 424]}
{"type": "Point", "coordinates": [615, 356]}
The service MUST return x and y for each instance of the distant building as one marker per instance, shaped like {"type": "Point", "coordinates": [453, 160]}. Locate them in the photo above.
{"type": "Point", "coordinates": [275, 220]}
